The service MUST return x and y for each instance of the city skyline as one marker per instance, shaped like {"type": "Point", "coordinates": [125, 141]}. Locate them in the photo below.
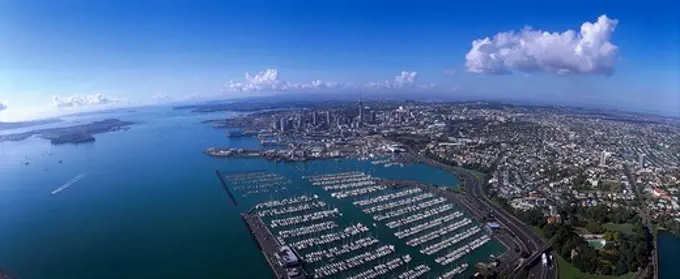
{"type": "Point", "coordinates": [95, 56]}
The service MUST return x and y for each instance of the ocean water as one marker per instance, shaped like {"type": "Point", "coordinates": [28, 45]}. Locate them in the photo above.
{"type": "Point", "coordinates": [669, 255]}
{"type": "Point", "coordinates": [150, 205]}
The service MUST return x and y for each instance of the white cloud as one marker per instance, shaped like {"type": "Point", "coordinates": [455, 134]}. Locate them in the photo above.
{"type": "Point", "coordinates": [269, 80]}
{"type": "Point", "coordinates": [84, 100]}
{"type": "Point", "coordinates": [3, 105]}
{"type": "Point", "coordinates": [569, 52]}
{"type": "Point", "coordinates": [403, 80]}
{"type": "Point", "coordinates": [162, 98]}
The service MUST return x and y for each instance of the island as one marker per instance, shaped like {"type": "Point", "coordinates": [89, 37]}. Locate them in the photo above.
{"type": "Point", "coordinates": [72, 138]}
{"type": "Point", "coordinates": [26, 124]}
{"type": "Point", "coordinates": [72, 134]}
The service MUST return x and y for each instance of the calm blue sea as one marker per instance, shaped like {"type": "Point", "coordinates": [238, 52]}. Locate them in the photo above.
{"type": "Point", "coordinates": [669, 255]}
{"type": "Point", "coordinates": [150, 205]}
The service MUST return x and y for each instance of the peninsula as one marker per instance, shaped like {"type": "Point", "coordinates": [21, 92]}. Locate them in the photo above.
{"type": "Point", "coordinates": [72, 134]}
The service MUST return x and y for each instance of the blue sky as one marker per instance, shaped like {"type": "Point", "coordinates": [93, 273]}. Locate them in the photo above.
{"type": "Point", "coordinates": [61, 56]}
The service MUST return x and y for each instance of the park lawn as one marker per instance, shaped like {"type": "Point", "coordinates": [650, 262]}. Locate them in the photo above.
{"type": "Point", "coordinates": [567, 271]}
{"type": "Point", "coordinates": [538, 231]}
{"type": "Point", "coordinates": [622, 228]}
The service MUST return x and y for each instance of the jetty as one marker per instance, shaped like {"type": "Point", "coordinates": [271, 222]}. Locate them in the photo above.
{"type": "Point", "coordinates": [280, 259]}
{"type": "Point", "coordinates": [224, 184]}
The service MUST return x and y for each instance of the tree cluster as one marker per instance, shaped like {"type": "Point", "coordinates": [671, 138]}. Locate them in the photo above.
{"type": "Point", "coordinates": [622, 253]}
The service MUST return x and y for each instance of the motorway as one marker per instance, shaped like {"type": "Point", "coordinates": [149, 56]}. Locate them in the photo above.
{"type": "Point", "coordinates": [644, 213]}
{"type": "Point", "coordinates": [530, 241]}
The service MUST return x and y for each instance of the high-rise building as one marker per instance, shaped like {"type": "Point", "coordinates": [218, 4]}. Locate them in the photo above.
{"type": "Point", "coordinates": [603, 158]}
{"type": "Point", "coordinates": [329, 118]}
{"type": "Point", "coordinates": [361, 115]}
{"type": "Point", "coordinates": [283, 123]}
{"type": "Point", "coordinates": [373, 116]}
{"type": "Point", "coordinates": [314, 118]}
{"type": "Point", "coordinates": [642, 160]}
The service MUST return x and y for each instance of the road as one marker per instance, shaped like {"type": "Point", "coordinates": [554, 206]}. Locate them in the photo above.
{"type": "Point", "coordinates": [644, 212]}
{"type": "Point", "coordinates": [473, 189]}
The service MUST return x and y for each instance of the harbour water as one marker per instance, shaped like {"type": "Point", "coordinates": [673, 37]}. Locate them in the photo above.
{"type": "Point", "coordinates": [669, 255]}
{"type": "Point", "coordinates": [151, 205]}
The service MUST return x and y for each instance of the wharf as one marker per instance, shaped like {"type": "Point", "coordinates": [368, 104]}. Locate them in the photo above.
{"type": "Point", "coordinates": [265, 241]}
{"type": "Point", "coordinates": [510, 255]}
{"type": "Point", "coordinates": [224, 184]}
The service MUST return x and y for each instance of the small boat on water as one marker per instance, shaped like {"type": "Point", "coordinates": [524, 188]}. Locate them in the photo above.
{"type": "Point", "coordinates": [68, 184]}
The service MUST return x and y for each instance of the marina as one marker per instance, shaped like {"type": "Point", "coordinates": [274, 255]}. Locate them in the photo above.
{"type": "Point", "coordinates": [387, 197]}
{"type": "Point", "coordinates": [420, 216]}
{"type": "Point", "coordinates": [286, 201]}
{"type": "Point", "coordinates": [254, 182]}
{"type": "Point", "coordinates": [455, 271]}
{"type": "Point", "coordinates": [382, 269]}
{"type": "Point", "coordinates": [291, 209]}
{"type": "Point", "coordinates": [438, 233]}
{"type": "Point", "coordinates": [308, 229]}
{"type": "Point", "coordinates": [333, 252]}
{"type": "Point", "coordinates": [448, 242]}
{"type": "Point", "coordinates": [416, 272]}
{"type": "Point", "coordinates": [328, 242]}
{"type": "Point", "coordinates": [318, 215]}
{"type": "Point", "coordinates": [408, 209]}
{"type": "Point", "coordinates": [464, 250]}
{"type": "Point", "coordinates": [347, 232]}
{"type": "Point", "coordinates": [425, 226]}
{"type": "Point", "coordinates": [358, 260]}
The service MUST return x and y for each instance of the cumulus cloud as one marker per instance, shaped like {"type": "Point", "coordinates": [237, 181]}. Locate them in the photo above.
{"type": "Point", "coordinates": [269, 80]}
{"type": "Point", "coordinates": [403, 80]}
{"type": "Point", "coordinates": [3, 105]}
{"type": "Point", "coordinates": [586, 52]}
{"type": "Point", "coordinates": [84, 100]}
{"type": "Point", "coordinates": [162, 98]}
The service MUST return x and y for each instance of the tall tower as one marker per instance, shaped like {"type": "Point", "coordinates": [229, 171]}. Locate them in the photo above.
{"type": "Point", "coordinates": [603, 158]}
{"type": "Point", "coordinates": [361, 111]}
{"type": "Point", "coordinates": [642, 160]}
{"type": "Point", "coordinates": [283, 124]}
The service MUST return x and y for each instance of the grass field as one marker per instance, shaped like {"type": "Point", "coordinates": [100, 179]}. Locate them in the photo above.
{"type": "Point", "coordinates": [623, 228]}
{"type": "Point", "coordinates": [565, 270]}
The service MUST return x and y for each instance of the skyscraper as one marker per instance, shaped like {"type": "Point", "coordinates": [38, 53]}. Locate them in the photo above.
{"type": "Point", "coordinates": [642, 160]}
{"type": "Point", "coordinates": [603, 158]}
{"type": "Point", "coordinates": [283, 125]}
{"type": "Point", "coordinates": [361, 110]}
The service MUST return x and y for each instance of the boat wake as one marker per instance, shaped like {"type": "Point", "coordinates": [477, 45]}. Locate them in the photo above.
{"type": "Point", "coordinates": [69, 183]}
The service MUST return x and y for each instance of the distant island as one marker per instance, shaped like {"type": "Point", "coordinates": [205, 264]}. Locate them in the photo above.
{"type": "Point", "coordinates": [25, 124]}
{"type": "Point", "coordinates": [72, 138]}
{"type": "Point", "coordinates": [73, 134]}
